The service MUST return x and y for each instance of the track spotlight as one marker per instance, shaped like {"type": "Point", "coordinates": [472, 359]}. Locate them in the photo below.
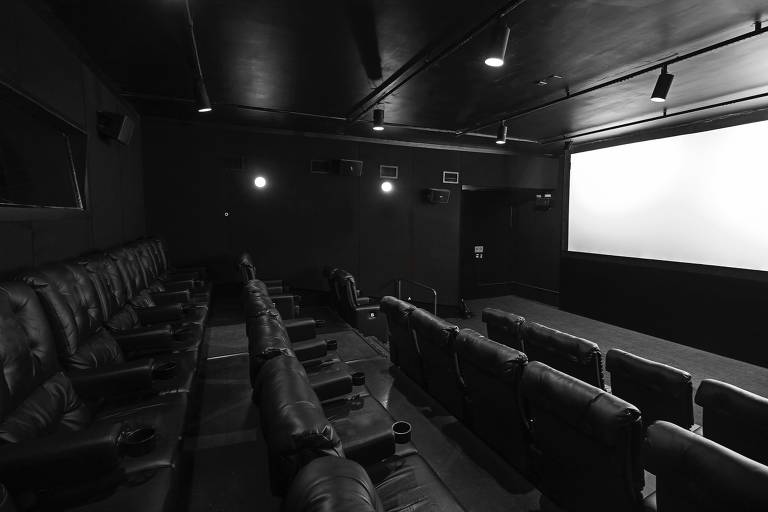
{"type": "Point", "coordinates": [501, 135]}
{"type": "Point", "coordinates": [260, 182]}
{"type": "Point", "coordinates": [386, 187]}
{"type": "Point", "coordinates": [663, 83]}
{"type": "Point", "coordinates": [202, 101]}
{"type": "Point", "coordinates": [378, 119]}
{"type": "Point", "coordinates": [497, 50]}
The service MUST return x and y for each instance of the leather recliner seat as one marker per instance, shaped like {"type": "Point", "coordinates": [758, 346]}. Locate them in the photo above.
{"type": "Point", "coordinates": [735, 418]}
{"type": "Point", "coordinates": [53, 447]}
{"type": "Point", "coordinates": [168, 272]}
{"type": "Point", "coordinates": [199, 291]}
{"type": "Point", "coordinates": [586, 442]}
{"type": "Point", "coordinates": [505, 328]}
{"type": "Point", "coordinates": [86, 348]}
{"type": "Point", "coordinates": [575, 356]}
{"type": "Point", "coordinates": [694, 474]}
{"type": "Point", "coordinates": [491, 373]}
{"type": "Point", "coordinates": [661, 392]}
{"type": "Point", "coordinates": [435, 338]}
{"type": "Point", "coordinates": [248, 273]}
{"type": "Point", "coordinates": [404, 351]}
{"type": "Point", "coordinates": [359, 312]}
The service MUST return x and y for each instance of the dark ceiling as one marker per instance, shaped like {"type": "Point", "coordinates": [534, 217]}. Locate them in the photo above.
{"type": "Point", "coordinates": [309, 66]}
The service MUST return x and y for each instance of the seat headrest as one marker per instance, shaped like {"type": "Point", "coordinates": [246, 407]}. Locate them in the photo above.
{"type": "Point", "coordinates": [652, 374]}
{"type": "Point", "coordinates": [702, 473]}
{"type": "Point", "coordinates": [588, 409]}
{"type": "Point", "coordinates": [332, 484]}
{"type": "Point", "coordinates": [499, 360]}
{"type": "Point", "coordinates": [726, 398]}
{"type": "Point", "coordinates": [433, 328]}
{"type": "Point", "coordinates": [245, 259]}
{"type": "Point", "coordinates": [502, 319]}
{"type": "Point", "coordinates": [581, 350]}
{"type": "Point", "coordinates": [394, 307]}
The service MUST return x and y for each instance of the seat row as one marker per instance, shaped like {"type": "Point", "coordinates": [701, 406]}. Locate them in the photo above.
{"type": "Point", "coordinates": [318, 416]}
{"type": "Point", "coordinates": [360, 312]}
{"type": "Point", "coordinates": [732, 416]}
{"type": "Point", "coordinates": [584, 448]}
{"type": "Point", "coordinates": [99, 364]}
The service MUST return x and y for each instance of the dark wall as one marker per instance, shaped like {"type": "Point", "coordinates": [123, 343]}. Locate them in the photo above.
{"type": "Point", "coordinates": [303, 221]}
{"type": "Point", "coordinates": [36, 61]}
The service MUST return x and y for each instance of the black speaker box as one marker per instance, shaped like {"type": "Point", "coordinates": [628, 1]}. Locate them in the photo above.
{"type": "Point", "coordinates": [437, 195]}
{"type": "Point", "coordinates": [345, 167]}
{"type": "Point", "coordinates": [113, 125]}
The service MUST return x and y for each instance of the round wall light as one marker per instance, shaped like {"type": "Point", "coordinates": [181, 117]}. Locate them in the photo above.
{"type": "Point", "coordinates": [260, 182]}
{"type": "Point", "coordinates": [386, 187]}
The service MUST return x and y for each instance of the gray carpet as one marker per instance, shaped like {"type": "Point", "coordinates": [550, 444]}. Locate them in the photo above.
{"type": "Point", "coordinates": [700, 364]}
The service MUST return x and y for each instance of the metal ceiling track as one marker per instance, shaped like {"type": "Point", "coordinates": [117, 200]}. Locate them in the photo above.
{"type": "Point", "coordinates": [422, 61]}
{"type": "Point", "coordinates": [758, 30]}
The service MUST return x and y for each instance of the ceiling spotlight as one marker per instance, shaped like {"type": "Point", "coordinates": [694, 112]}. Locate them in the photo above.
{"type": "Point", "coordinates": [201, 97]}
{"type": "Point", "coordinates": [260, 182]}
{"type": "Point", "coordinates": [497, 50]}
{"type": "Point", "coordinates": [378, 119]}
{"type": "Point", "coordinates": [663, 83]}
{"type": "Point", "coordinates": [386, 187]}
{"type": "Point", "coordinates": [501, 135]}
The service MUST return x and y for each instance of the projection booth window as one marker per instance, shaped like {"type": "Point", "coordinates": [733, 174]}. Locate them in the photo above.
{"type": "Point", "coordinates": [42, 156]}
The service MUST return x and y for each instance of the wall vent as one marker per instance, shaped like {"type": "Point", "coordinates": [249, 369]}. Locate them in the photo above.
{"type": "Point", "coordinates": [451, 177]}
{"type": "Point", "coordinates": [389, 172]}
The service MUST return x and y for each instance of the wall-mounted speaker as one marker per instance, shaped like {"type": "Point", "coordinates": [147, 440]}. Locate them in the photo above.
{"type": "Point", "coordinates": [344, 167]}
{"type": "Point", "coordinates": [437, 195]}
{"type": "Point", "coordinates": [113, 125]}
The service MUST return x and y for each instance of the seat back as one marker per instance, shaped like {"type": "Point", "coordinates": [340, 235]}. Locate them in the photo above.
{"type": "Point", "coordinates": [247, 268]}
{"type": "Point", "coordinates": [504, 328]}
{"type": "Point", "coordinates": [577, 357]}
{"type": "Point", "coordinates": [402, 348]}
{"type": "Point", "coordinates": [491, 373]}
{"type": "Point", "coordinates": [661, 392]}
{"type": "Point", "coordinates": [267, 338]}
{"type": "Point", "coordinates": [293, 422]}
{"type": "Point", "coordinates": [694, 474]}
{"type": "Point", "coordinates": [112, 290]}
{"type": "Point", "coordinates": [75, 314]}
{"type": "Point", "coordinates": [435, 338]}
{"type": "Point", "coordinates": [36, 399]}
{"type": "Point", "coordinates": [148, 266]}
{"type": "Point", "coordinates": [332, 484]}
{"type": "Point", "coordinates": [735, 418]}
{"type": "Point", "coordinates": [586, 442]}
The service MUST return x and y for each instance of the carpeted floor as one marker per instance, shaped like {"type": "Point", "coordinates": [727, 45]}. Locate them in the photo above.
{"type": "Point", "coordinates": [700, 364]}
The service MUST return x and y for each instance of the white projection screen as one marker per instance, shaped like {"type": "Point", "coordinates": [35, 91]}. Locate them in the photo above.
{"type": "Point", "coordinates": [697, 198]}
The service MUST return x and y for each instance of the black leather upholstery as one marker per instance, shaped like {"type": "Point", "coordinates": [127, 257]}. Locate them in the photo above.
{"type": "Point", "coordinates": [504, 328]}
{"type": "Point", "coordinates": [577, 357]}
{"type": "Point", "coordinates": [358, 311]}
{"type": "Point", "coordinates": [735, 418]}
{"type": "Point", "coordinates": [435, 338]}
{"type": "Point", "coordinates": [661, 392]}
{"type": "Point", "coordinates": [364, 427]}
{"type": "Point", "coordinates": [586, 442]}
{"type": "Point", "coordinates": [403, 349]}
{"type": "Point", "coordinates": [332, 484]}
{"type": "Point", "coordinates": [491, 373]}
{"type": "Point", "coordinates": [694, 474]}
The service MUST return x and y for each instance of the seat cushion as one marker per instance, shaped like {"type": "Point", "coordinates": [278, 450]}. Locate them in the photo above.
{"type": "Point", "coordinates": [365, 428]}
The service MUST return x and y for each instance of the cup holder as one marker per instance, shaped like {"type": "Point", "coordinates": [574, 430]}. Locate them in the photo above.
{"type": "Point", "coordinates": [164, 371]}
{"type": "Point", "coordinates": [358, 379]}
{"type": "Point", "coordinates": [331, 344]}
{"type": "Point", "coordinates": [139, 441]}
{"type": "Point", "coordinates": [401, 430]}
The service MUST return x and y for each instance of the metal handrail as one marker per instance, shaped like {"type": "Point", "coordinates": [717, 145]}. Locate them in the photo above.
{"type": "Point", "coordinates": [399, 290]}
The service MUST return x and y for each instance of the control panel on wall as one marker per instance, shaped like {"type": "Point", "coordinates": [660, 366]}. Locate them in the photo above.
{"type": "Point", "coordinates": [479, 252]}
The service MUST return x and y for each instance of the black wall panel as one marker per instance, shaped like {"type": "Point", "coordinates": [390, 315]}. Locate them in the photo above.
{"type": "Point", "coordinates": [302, 221]}
{"type": "Point", "coordinates": [35, 60]}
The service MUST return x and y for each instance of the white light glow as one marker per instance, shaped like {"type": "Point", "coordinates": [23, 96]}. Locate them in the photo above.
{"type": "Point", "coordinates": [378, 128]}
{"type": "Point", "coordinates": [657, 99]}
{"type": "Point", "coordinates": [692, 198]}
{"type": "Point", "coordinates": [260, 182]}
{"type": "Point", "coordinates": [503, 141]}
{"type": "Point", "coordinates": [204, 109]}
{"type": "Point", "coordinates": [494, 62]}
{"type": "Point", "coordinates": [386, 187]}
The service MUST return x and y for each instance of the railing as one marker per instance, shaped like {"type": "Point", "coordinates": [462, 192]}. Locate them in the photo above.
{"type": "Point", "coordinates": [399, 290]}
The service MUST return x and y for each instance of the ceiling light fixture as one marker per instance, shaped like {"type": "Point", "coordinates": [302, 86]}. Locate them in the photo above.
{"type": "Point", "coordinates": [386, 187]}
{"type": "Point", "coordinates": [378, 119]}
{"type": "Point", "coordinates": [202, 101]}
{"type": "Point", "coordinates": [501, 135]}
{"type": "Point", "coordinates": [663, 83]}
{"type": "Point", "coordinates": [498, 46]}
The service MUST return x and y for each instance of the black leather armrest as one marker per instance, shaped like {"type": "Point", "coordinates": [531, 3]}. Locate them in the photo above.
{"type": "Point", "coordinates": [160, 314]}
{"type": "Point", "coordinates": [286, 304]}
{"type": "Point", "coordinates": [61, 459]}
{"type": "Point", "coordinates": [306, 350]}
{"type": "Point", "coordinates": [300, 329]}
{"type": "Point", "coordinates": [363, 301]}
{"type": "Point", "coordinates": [146, 339]}
{"type": "Point", "coordinates": [175, 297]}
{"type": "Point", "coordinates": [131, 377]}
